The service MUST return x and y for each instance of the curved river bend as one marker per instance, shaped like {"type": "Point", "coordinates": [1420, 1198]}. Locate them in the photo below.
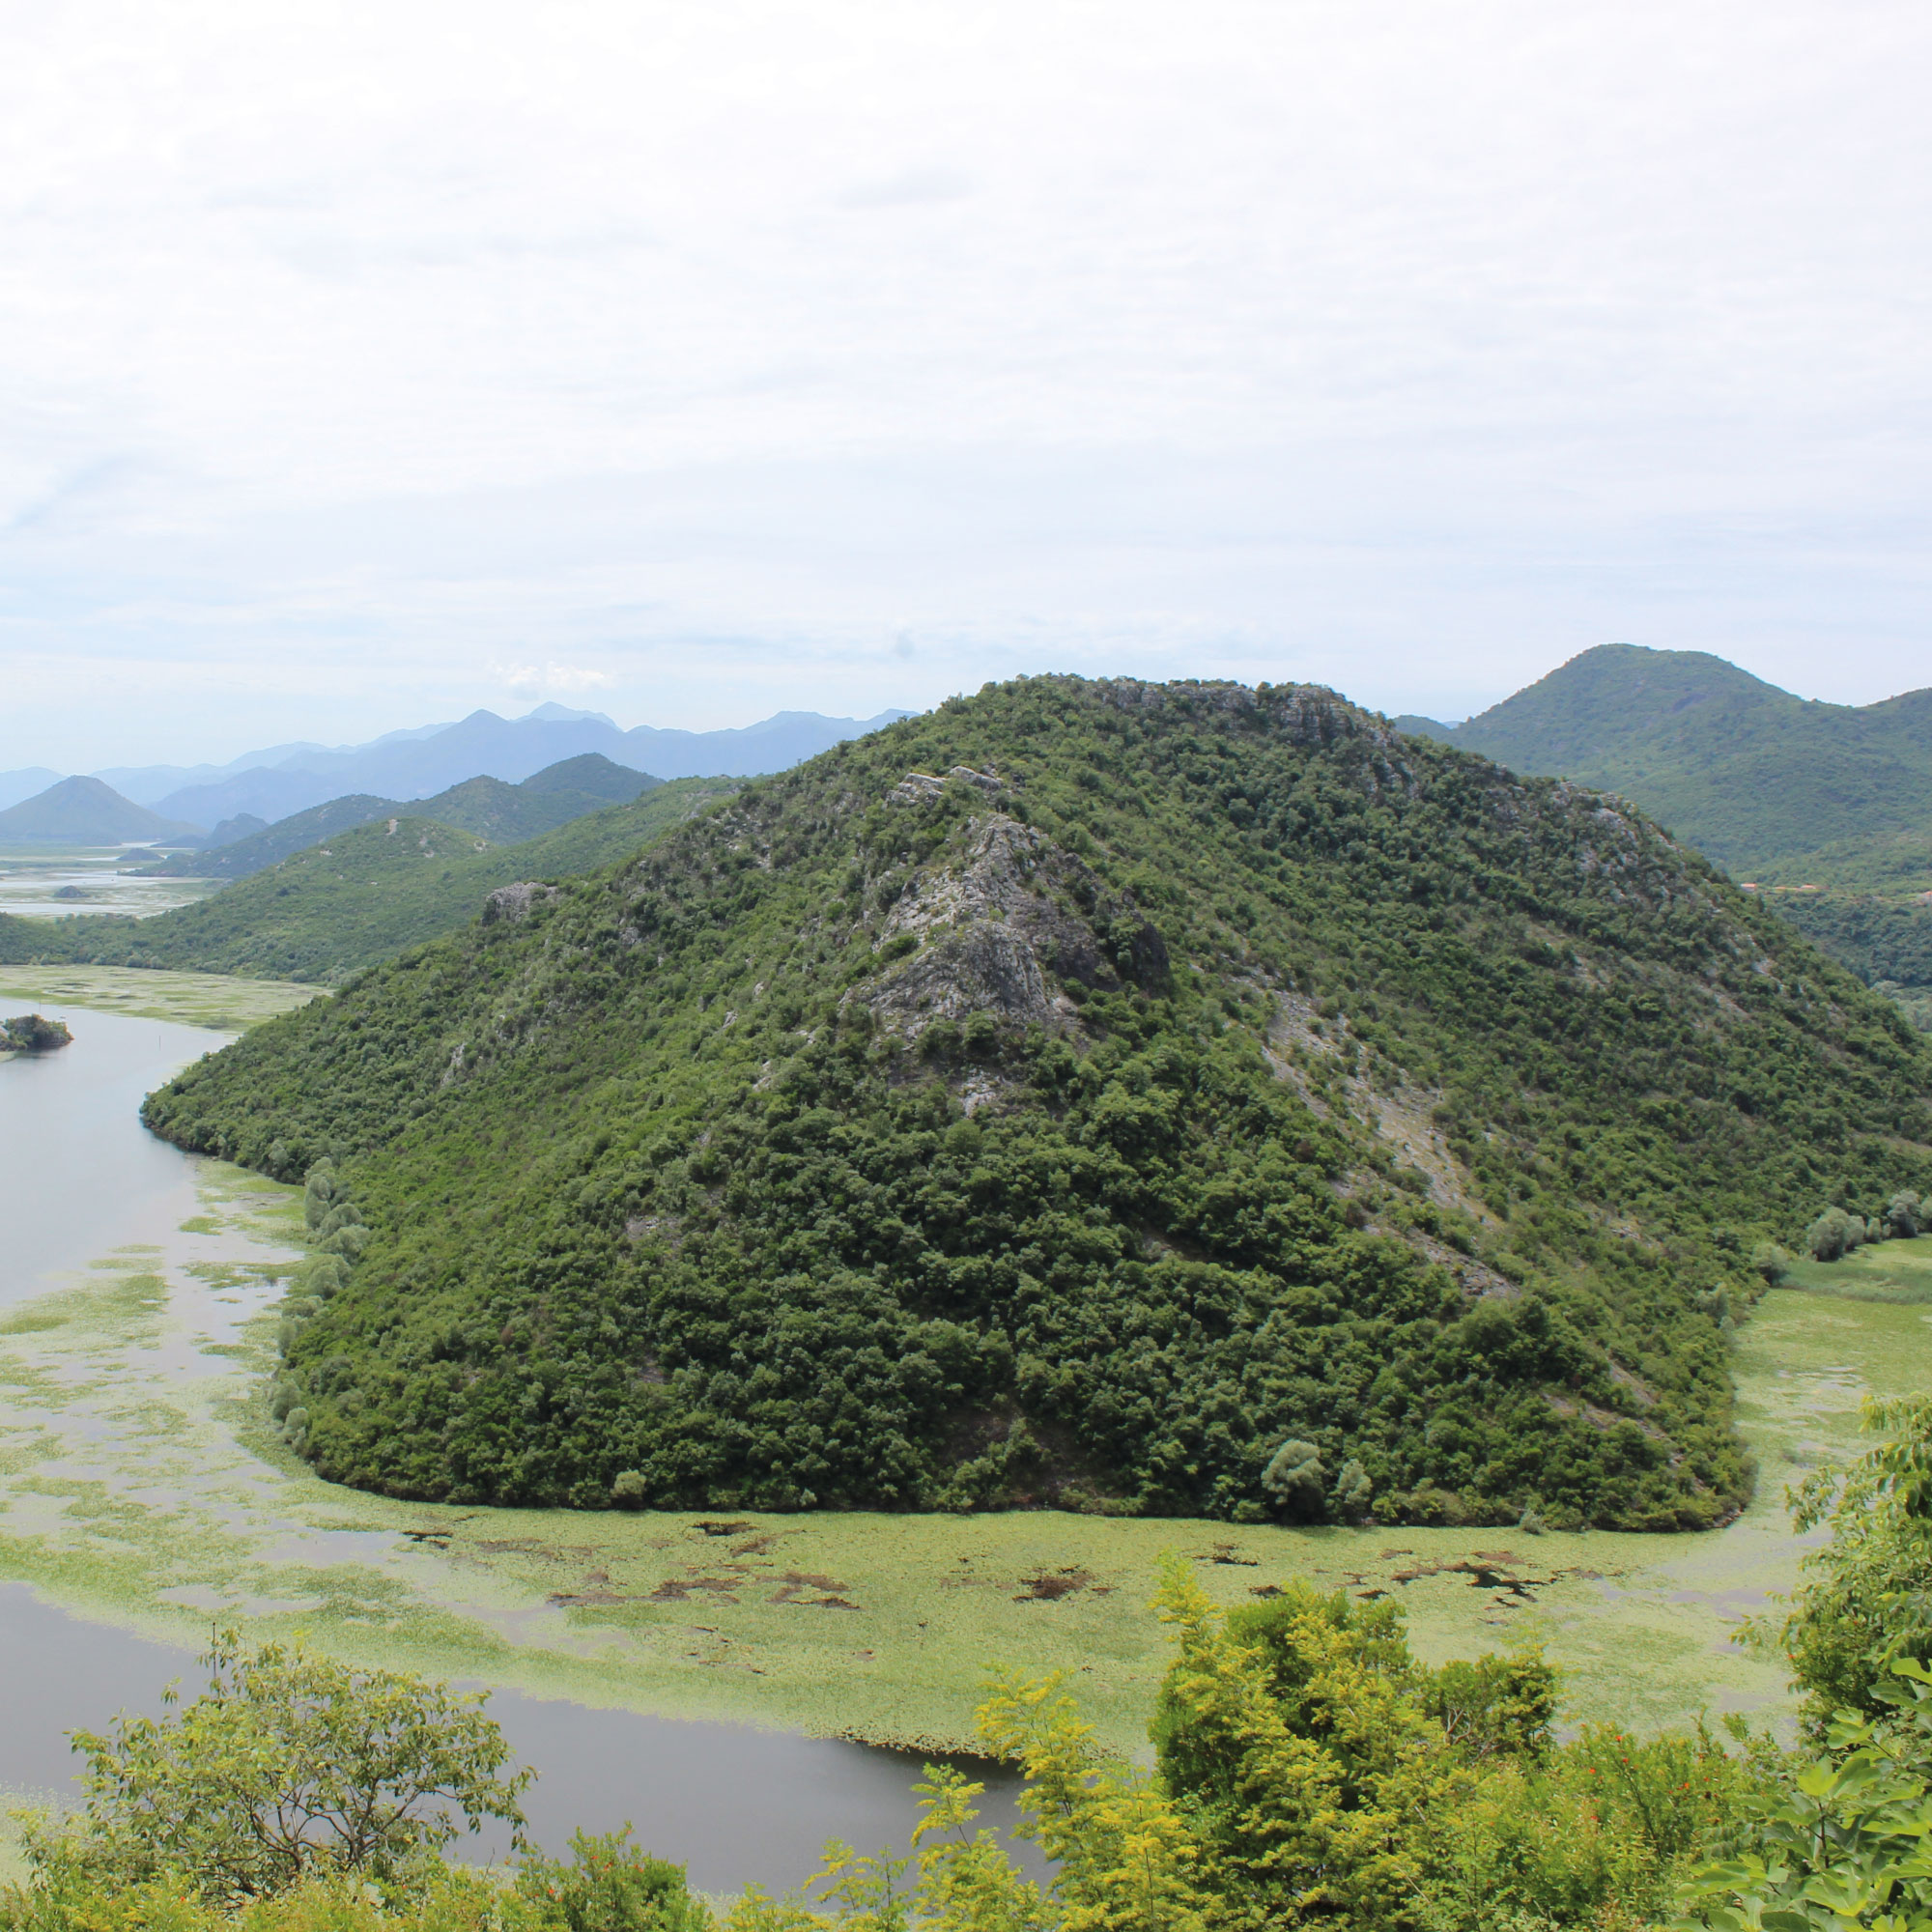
{"type": "Point", "coordinates": [102, 1215]}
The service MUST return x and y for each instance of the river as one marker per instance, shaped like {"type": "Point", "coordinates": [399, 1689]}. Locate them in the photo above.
{"type": "Point", "coordinates": [122, 1251]}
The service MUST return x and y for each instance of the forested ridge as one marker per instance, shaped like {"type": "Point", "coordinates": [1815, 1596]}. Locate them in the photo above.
{"type": "Point", "coordinates": [362, 894]}
{"type": "Point", "coordinates": [1141, 1097]}
{"type": "Point", "coordinates": [1773, 787]}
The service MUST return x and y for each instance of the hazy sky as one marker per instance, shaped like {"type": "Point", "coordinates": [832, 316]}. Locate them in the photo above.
{"type": "Point", "coordinates": [360, 364]}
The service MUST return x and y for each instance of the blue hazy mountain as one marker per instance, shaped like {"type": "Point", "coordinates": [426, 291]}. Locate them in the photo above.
{"type": "Point", "coordinates": [84, 811]}
{"type": "Point", "coordinates": [415, 764]}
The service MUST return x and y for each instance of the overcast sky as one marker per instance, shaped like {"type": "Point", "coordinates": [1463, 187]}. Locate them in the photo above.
{"type": "Point", "coordinates": [361, 365]}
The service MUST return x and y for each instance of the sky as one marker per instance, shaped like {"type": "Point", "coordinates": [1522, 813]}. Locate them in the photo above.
{"type": "Point", "coordinates": [361, 365]}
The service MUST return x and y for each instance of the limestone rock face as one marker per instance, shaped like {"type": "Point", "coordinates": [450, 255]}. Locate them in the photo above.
{"type": "Point", "coordinates": [999, 928]}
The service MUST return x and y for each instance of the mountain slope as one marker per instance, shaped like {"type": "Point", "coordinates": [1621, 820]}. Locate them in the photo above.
{"type": "Point", "coordinates": [25, 784]}
{"type": "Point", "coordinates": [369, 892]}
{"type": "Point", "coordinates": [502, 814]}
{"type": "Point", "coordinates": [83, 811]}
{"type": "Point", "coordinates": [1147, 1098]}
{"type": "Point", "coordinates": [1763, 781]}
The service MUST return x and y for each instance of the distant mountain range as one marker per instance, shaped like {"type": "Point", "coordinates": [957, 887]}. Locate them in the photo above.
{"type": "Point", "coordinates": [1777, 789]}
{"type": "Point", "coordinates": [366, 893]}
{"type": "Point", "coordinates": [406, 765]}
{"type": "Point", "coordinates": [503, 815]}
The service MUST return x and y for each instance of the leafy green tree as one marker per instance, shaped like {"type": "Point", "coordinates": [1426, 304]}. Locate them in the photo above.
{"type": "Point", "coordinates": [1904, 1215]}
{"type": "Point", "coordinates": [1833, 1234]}
{"type": "Point", "coordinates": [1295, 1477]}
{"type": "Point", "coordinates": [288, 1767]}
{"type": "Point", "coordinates": [1867, 1597]}
{"type": "Point", "coordinates": [1354, 1492]}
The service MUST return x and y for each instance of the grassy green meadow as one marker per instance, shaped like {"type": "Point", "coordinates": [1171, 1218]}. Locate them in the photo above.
{"type": "Point", "coordinates": [1900, 1271]}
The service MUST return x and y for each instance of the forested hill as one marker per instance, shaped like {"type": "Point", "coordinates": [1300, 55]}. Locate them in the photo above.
{"type": "Point", "coordinates": [502, 814]}
{"type": "Point", "coordinates": [1160, 1099]}
{"type": "Point", "coordinates": [1776, 788]}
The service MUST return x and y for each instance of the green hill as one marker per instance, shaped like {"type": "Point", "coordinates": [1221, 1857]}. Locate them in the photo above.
{"type": "Point", "coordinates": [1779, 790]}
{"type": "Point", "coordinates": [504, 815]}
{"type": "Point", "coordinates": [1141, 1098]}
{"type": "Point", "coordinates": [368, 894]}
{"type": "Point", "coordinates": [1776, 788]}
{"type": "Point", "coordinates": [84, 811]}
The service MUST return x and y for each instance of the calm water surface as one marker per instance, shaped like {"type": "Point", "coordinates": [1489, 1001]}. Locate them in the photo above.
{"type": "Point", "coordinates": [737, 1805]}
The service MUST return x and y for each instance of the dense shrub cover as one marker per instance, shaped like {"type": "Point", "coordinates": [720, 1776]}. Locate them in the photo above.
{"type": "Point", "coordinates": [1172, 1081]}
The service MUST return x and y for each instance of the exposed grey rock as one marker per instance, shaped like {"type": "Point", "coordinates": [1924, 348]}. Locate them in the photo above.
{"type": "Point", "coordinates": [513, 903]}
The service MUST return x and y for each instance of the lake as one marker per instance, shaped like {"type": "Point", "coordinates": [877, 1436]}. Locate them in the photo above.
{"type": "Point", "coordinates": [696, 1673]}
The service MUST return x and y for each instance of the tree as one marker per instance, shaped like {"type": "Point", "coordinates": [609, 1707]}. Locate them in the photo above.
{"type": "Point", "coordinates": [1296, 1476]}
{"type": "Point", "coordinates": [288, 1766]}
{"type": "Point", "coordinates": [1904, 1215]}
{"type": "Point", "coordinates": [1352, 1490]}
{"type": "Point", "coordinates": [1866, 1601]}
{"type": "Point", "coordinates": [1833, 1234]}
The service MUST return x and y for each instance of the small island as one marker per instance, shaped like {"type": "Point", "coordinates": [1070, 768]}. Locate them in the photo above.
{"type": "Point", "coordinates": [29, 1032]}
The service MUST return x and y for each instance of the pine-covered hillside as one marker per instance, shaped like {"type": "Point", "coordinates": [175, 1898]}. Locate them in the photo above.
{"type": "Point", "coordinates": [1138, 1098]}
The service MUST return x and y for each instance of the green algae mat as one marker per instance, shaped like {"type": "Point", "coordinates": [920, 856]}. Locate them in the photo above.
{"type": "Point", "coordinates": [190, 999]}
{"type": "Point", "coordinates": [140, 1483]}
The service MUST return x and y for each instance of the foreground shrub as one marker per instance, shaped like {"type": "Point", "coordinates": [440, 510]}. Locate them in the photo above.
{"type": "Point", "coordinates": [290, 1769]}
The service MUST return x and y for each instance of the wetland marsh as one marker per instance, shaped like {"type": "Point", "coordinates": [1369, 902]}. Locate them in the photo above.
{"type": "Point", "coordinates": [60, 881]}
{"type": "Point", "coordinates": [144, 1494]}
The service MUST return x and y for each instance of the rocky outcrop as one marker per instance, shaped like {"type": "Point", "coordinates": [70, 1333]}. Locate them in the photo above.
{"type": "Point", "coordinates": [1001, 928]}
{"type": "Point", "coordinates": [513, 904]}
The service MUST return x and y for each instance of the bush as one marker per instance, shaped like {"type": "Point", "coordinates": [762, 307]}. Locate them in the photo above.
{"type": "Point", "coordinates": [1833, 1234]}
{"type": "Point", "coordinates": [1296, 1478]}
{"type": "Point", "coordinates": [610, 1885]}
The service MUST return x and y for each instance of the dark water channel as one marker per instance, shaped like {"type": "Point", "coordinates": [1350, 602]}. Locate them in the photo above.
{"type": "Point", "coordinates": [81, 1176]}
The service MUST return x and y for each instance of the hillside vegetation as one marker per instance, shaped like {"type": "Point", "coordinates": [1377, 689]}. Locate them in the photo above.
{"type": "Point", "coordinates": [1776, 788]}
{"type": "Point", "coordinates": [366, 895]}
{"type": "Point", "coordinates": [1158, 1099]}
{"type": "Point", "coordinates": [502, 814]}
{"type": "Point", "coordinates": [1888, 943]}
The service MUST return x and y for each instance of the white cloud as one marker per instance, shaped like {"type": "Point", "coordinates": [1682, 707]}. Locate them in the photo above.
{"type": "Point", "coordinates": [352, 351]}
{"type": "Point", "coordinates": [544, 680]}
